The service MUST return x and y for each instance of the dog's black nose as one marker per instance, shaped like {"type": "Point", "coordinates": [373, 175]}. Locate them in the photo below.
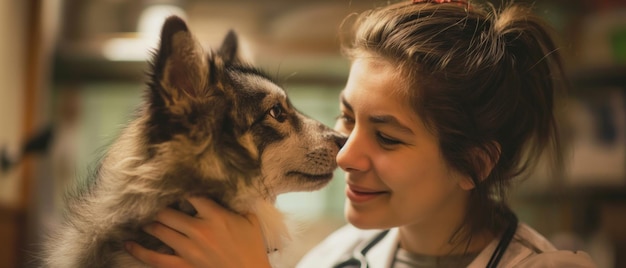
{"type": "Point", "coordinates": [340, 139]}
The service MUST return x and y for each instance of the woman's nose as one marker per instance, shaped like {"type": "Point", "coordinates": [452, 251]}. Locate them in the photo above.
{"type": "Point", "coordinates": [352, 156]}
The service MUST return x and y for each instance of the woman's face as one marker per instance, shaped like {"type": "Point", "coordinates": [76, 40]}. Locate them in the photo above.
{"type": "Point", "coordinates": [395, 173]}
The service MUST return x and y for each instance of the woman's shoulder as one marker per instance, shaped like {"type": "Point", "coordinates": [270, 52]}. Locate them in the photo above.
{"type": "Point", "coordinates": [531, 239]}
{"type": "Point", "coordinates": [336, 246]}
{"type": "Point", "coordinates": [558, 258]}
{"type": "Point", "coordinates": [531, 249]}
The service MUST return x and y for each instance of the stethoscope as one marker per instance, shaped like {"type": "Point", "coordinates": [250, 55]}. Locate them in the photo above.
{"type": "Point", "coordinates": [359, 261]}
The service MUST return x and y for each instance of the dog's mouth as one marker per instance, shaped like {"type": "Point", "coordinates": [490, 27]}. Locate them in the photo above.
{"type": "Point", "coordinates": [311, 177]}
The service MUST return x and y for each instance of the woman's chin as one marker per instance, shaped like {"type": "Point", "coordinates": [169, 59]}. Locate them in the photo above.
{"type": "Point", "coordinates": [362, 220]}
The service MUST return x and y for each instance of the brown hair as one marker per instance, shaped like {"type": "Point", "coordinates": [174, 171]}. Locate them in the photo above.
{"type": "Point", "coordinates": [484, 81]}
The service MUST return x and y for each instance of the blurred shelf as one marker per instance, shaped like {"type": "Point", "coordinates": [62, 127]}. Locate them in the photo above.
{"type": "Point", "coordinates": [575, 193]}
{"type": "Point", "coordinates": [82, 65]}
{"type": "Point", "coordinates": [599, 76]}
{"type": "Point", "coordinates": [67, 70]}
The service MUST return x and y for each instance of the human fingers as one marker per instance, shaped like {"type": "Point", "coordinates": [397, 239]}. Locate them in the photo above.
{"type": "Point", "coordinates": [228, 239]}
{"type": "Point", "coordinates": [222, 221]}
{"type": "Point", "coordinates": [169, 236]}
{"type": "Point", "coordinates": [207, 207]}
{"type": "Point", "coordinates": [176, 220]}
{"type": "Point", "coordinates": [191, 248]}
{"type": "Point", "coordinates": [153, 258]}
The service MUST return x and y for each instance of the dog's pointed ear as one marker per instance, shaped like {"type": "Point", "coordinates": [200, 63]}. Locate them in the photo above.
{"type": "Point", "coordinates": [230, 47]}
{"type": "Point", "coordinates": [180, 67]}
{"type": "Point", "coordinates": [232, 50]}
{"type": "Point", "coordinates": [184, 89]}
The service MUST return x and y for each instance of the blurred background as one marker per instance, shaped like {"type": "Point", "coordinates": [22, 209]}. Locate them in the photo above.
{"type": "Point", "coordinates": [73, 71]}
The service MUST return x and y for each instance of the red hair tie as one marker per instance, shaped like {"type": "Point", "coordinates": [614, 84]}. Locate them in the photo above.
{"type": "Point", "coordinates": [457, 2]}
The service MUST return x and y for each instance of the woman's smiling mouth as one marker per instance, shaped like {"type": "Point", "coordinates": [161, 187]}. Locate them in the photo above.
{"type": "Point", "coordinates": [360, 195]}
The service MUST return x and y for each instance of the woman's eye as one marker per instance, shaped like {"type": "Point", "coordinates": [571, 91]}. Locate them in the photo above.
{"type": "Point", "coordinates": [346, 119]}
{"type": "Point", "coordinates": [385, 140]}
{"type": "Point", "coordinates": [277, 113]}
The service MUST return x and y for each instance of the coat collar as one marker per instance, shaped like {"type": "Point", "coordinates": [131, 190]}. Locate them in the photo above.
{"type": "Point", "coordinates": [382, 254]}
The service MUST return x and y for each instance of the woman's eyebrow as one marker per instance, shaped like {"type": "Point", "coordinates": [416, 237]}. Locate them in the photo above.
{"type": "Point", "coordinates": [345, 102]}
{"type": "Point", "coordinates": [379, 119]}
{"type": "Point", "coordinates": [391, 121]}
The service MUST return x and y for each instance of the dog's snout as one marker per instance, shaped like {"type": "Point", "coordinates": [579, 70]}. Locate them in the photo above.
{"type": "Point", "coordinates": [334, 136]}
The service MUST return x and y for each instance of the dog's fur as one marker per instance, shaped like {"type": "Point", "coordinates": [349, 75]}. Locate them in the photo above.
{"type": "Point", "coordinates": [211, 125]}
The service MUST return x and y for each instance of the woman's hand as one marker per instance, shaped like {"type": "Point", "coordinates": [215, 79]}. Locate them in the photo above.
{"type": "Point", "coordinates": [215, 237]}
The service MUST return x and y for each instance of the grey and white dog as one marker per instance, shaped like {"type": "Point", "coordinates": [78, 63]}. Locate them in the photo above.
{"type": "Point", "coordinates": [211, 125]}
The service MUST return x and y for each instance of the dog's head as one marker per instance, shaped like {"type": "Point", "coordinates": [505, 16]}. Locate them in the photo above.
{"type": "Point", "coordinates": [213, 119]}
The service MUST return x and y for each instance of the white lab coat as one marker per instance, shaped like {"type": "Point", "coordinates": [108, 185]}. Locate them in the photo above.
{"type": "Point", "coordinates": [527, 249]}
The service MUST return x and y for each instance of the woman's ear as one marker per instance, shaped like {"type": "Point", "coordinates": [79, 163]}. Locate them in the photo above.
{"type": "Point", "coordinates": [486, 159]}
{"type": "Point", "coordinates": [466, 183]}
{"type": "Point", "coordinates": [489, 157]}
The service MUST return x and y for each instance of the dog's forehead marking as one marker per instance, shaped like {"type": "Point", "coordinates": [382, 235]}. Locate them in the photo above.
{"type": "Point", "coordinates": [256, 82]}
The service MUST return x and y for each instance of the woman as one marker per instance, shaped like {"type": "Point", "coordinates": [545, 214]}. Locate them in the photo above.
{"type": "Point", "coordinates": [446, 103]}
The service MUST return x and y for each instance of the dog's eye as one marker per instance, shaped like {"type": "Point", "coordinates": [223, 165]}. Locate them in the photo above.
{"type": "Point", "coordinates": [277, 113]}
